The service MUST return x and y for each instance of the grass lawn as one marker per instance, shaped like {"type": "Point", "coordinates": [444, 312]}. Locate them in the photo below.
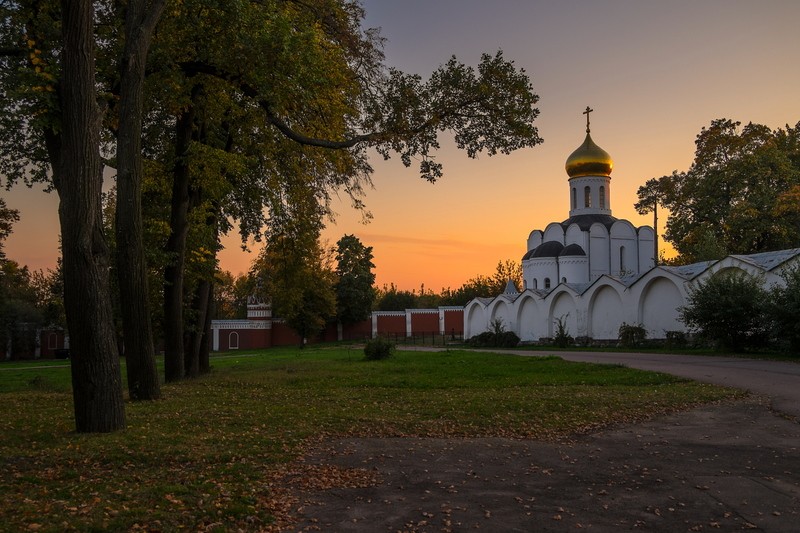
{"type": "Point", "coordinates": [217, 452]}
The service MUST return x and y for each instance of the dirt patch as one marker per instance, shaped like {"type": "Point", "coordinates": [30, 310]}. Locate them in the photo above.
{"type": "Point", "coordinates": [723, 467]}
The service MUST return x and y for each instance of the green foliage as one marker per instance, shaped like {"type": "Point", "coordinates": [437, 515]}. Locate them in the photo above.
{"type": "Point", "coordinates": [378, 348]}
{"type": "Point", "coordinates": [355, 279]}
{"type": "Point", "coordinates": [784, 308]}
{"type": "Point", "coordinates": [729, 310]}
{"type": "Point", "coordinates": [632, 335]}
{"type": "Point", "coordinates": [739, 195]}
{"type": "Point", "coordinates": [393, 299]}
{"type": "Point", "coordinates": [562, 338]}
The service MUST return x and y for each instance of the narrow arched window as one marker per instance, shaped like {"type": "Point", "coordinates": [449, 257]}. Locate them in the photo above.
{"type": "Point", "coordinates": [574, 198]}
{"type": "Point", "coordinates": [563, 280]}
{"type": "Point", "coordinates": [587, 197]}
{"type": "Point", "coordinates": [602, 197]}
{"type": "Point", "coordinates": [546, 283]}
{"type": "Point", "coordinates": [535, 283]}
{"type": "Point", "coordinates": [233, 341]}
{"type": "Point", "coordinates": [622, 260]}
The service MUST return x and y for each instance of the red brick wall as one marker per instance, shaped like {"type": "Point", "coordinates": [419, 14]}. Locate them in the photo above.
{"type": "Point", "coordinates": [391, 324]}
{"type": "Point", "coordinates": [424, 322]}
{"type": "Point", "coordinates": [454, 321]}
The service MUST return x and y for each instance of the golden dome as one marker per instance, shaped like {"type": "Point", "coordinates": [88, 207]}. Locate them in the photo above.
{"type": "Point", "coordinates": [589, 160]}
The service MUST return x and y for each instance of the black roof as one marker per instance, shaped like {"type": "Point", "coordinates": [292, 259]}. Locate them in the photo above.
{"type": "Point", "coordinates": [547, 249]}
{"type": "Point", "coordinates": [572, 249]}
{"type": "Point", "coordinates": [585, 221]}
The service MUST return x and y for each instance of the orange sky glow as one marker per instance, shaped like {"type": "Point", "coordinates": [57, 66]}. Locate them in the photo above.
{"type": "Point", "coordinates": [654, 72]}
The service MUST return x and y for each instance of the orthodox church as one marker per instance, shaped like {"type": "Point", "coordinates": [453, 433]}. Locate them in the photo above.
{"type": "Point", "coordinates": [593, 272]}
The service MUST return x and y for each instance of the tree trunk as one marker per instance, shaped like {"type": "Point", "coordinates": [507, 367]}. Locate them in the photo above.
{"type": "Point", "coordinates": [131, 267]}
{"type": "Point", "coordinates": [197, 331]}
{"type": "Point", "coordinates": [77, 175]}
{"type": "Point", "coordinates": [203, 355]}
{"type": "Point", "coordinates": [174, 367]}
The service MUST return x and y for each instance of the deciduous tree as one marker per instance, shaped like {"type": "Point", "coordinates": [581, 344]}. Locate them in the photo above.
{"type": "Point", "coordinates": [726, 203]}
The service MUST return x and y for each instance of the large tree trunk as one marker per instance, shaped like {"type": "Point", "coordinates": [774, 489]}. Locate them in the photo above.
{"type": "Point", "coordinates": [205, 339]}
{"type": "Point", "coordinates": [136, 324]}
{"type": "Point", "coordinates": [176, 246]}
{"type": "Point", "coordinates": [77, 174]}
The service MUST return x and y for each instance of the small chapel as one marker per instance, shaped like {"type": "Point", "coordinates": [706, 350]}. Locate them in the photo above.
{"type": "Point", "coordinates": [593, 272]}
{"type": "Point", "coordinates": [591, 242]}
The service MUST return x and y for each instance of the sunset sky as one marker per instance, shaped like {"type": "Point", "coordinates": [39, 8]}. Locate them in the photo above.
{"type": "Point", "coordinates": [654, 72]}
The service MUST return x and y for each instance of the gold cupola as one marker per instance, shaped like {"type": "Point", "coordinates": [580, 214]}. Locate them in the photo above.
{"type": "Point", "coordinates": [589, 159]}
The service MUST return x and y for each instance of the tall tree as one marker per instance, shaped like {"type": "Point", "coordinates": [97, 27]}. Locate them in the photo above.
{"type": "Point", "coordinates": [77, 176]}
{"type": "Point", "coordinates": [141, 18]}
{"type": "Point", "coordinates": [308, 83]}
{"type": "Point", "coordinates": [355, 291]}
{"type": "Point", "coordinates": [652, 194]}
{"type": "Point", "coordinates": [726, 202]}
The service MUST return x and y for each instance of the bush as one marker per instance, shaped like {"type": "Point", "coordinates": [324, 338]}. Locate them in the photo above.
{"type": "Point", "coordinates": [378, 348]}
{"type": "Point", "coordinates": [784, 309]}
{"type": "Point", "coordinates": [507, 339]}
{"type": "Point", "coordinates": [728, 309]}
{"type": "Point", "coordinates": [562, 338]}
{"type": "Point", "coordinates": [676, 339]}
{"type": "Point", "coordinates": [631, 336]}
{"type": "Point", "coordinates": [497, 337]}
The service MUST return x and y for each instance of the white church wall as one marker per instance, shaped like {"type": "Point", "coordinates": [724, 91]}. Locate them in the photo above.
{"type": "Point", "coordinates": [562, 306]}
{"type": "Point", "coordinates": [598, 250]}
{"type": "Point", "coordinates": [574, 235]}
{"type": "Point", "coordinates": [475, 320]}
{"type": "Point", "coordinates": [605, 312]}
{"type": "Point", "coordinates": [534, 239]}
{"type": "Point", "coordinates": [624, 249]}
{"type": "Point", "coordinates": [573, 269]}
{"type": "Point", "coordinates": [658, 306]}
{"type": "Point", "coordinates": [646, 237]}
{"type": "Point", "coordinates": [553, 232]}
{"type": "Point", "coordinates": [544, 269]}
{"type": "Point", "coordinates": [734, 264]}
{"type": "Point", "coordinates": [500, 310]}
{"type": "Point", "coordinates": [531, 319]}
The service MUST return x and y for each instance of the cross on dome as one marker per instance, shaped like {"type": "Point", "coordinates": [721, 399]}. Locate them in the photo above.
{"type": "Point", "coordinates": [588, 110]}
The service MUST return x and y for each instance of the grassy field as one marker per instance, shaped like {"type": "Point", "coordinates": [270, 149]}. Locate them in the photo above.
{"type": "Point", "coordinates": [218, 453]}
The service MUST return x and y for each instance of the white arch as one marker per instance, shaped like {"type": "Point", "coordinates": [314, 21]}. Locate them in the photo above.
{"type": "Point", "coordinates": [530, 319]}
{"type": "Point", "coordinates": [474, 319]}
{"type": "Point", "coordinates": [500, 309]}
{"type": "Point", "coordinates": [658, 307]}
{"type": "Point", "coordinates": [562, 306]}
{"type": "Point", "coordinates": [605, 313]}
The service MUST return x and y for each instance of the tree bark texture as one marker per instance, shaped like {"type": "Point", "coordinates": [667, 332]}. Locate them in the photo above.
{"type": "Point", "coordinates": [131, 267]}
{"type": "Point", "coordinates": [96, 377]}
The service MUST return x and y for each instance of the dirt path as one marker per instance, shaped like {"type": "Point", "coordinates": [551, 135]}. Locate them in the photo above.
{"type": "Point", "coordinates": [718, 468]}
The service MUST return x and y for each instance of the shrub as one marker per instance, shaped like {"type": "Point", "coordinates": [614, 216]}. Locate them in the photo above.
{"type": "Point", "coordinates": [507, 339]}
{"type": "Point", "coordinates": [676, 339]}
{"type": "Point", "coordinates": [562, 338]}
{"type": "Point", "coordinates": [631, 336]}
{"type": "Point", "coordinates": [378, 348]}
{"type": "Point", "coordinates": [728, 309]}
{"type": "Point", "coordinates": [784, 309]}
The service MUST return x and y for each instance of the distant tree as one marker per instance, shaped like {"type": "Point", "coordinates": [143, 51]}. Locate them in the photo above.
{"type": "Point", "coordinates": [390, 298]}
{"type": "Point", "coordinates": [738, 195]}
{"type": "Point", "coordinates": [652, 194]}
{"type": "Point", "coordinates": [485, 286]}
{"type": "Point", "coordinates": [728, 309]}
{"type": "Point", "coordinates": [298, 278]}
{"type": "Point", "coordinates": [20, 317]}
{"type": "Point", "coordinates": [355, 291]}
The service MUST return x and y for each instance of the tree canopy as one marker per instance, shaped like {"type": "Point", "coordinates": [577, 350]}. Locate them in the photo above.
{"type": "Point", "coordinates": [738, 196]}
